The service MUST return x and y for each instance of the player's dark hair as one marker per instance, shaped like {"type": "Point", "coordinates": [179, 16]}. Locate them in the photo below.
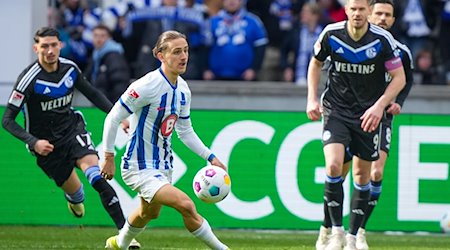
{"type": "Point", "coordinates": [103, 27]}
{"type": "Point", "coordinates": [45, 31]}
{"type": "Point", "coordinates": [373, 2]}
{"type": "Point", "coordinates": [164, 38]}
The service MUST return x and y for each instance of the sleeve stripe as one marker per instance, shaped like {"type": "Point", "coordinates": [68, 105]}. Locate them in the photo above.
{"type": "Point", "coordinates": [125, 106]}
{"type": "Point", "coordinates": [185, 117]}
{"type": "Point", "coordinates": [28, 77]}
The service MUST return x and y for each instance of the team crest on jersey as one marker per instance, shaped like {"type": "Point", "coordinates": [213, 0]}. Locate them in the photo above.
{"type": "Point", "coordinates": [16, 98]}
{"type": "Point", "coordinates": [168, 125]}
{"type": "Point", "coordinates": [371, 52]}
{"type": "Point", "coordinates": [68, 82]}
{"type": "Point", "coordinates": [133, 94]}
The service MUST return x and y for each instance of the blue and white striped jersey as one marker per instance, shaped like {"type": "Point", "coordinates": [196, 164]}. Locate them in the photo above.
{"type": "Point", "coordinates": [157, 108]}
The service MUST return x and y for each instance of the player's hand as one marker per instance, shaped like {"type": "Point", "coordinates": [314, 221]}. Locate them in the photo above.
{"type": "Point", "coordinates": [394, 108]}
{"type": "Point", "coordinates": [125, 124]}
{"type": "Point", "coordinates": [43, 147]}
{"type": "Point", "coordinates": [371, 118]}
{"type": "Point", "coordinates": [313, 110]}
{"type": "Point", "coordinates": [108, 168]}
{"type": "Point", "coordinates": [217, 162]}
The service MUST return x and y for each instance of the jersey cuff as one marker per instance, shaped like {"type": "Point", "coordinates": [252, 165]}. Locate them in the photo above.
{"type": "Point", "coordinates": [211, 157]}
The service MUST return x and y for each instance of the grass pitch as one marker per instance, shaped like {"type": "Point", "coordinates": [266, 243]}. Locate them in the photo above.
{"type": "Point", "coordinates": [75, 237]}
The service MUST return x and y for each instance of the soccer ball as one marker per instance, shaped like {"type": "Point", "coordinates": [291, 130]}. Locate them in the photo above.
{"type": "Point", "coordinates": [211, 184]}
{"type": "Point", "coordinates": [445, 222]}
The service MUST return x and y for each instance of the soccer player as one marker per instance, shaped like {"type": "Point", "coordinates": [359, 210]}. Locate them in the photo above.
{"type": "Point", "coordinates": [382, 14]}
{"type": "Point", "coordinates": [352, 106]}
{"type": "Point", "coordinates": [157, 103]}
{"type": "Point", "coordinates": [54, 132]}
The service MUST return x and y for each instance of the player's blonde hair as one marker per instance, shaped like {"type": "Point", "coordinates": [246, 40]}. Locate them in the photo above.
{"type": "Point", "coordinates": [164, 38]}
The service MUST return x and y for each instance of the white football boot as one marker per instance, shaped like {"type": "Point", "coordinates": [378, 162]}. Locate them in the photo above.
{"type": "Point", "coordinates": [322, 240]}
{"type": "Point", "coordinates": [350, 242]}
{"type": "Point", "coordinates": [361, 242]}
{"type": "Point", "coordinates": [336, 240]}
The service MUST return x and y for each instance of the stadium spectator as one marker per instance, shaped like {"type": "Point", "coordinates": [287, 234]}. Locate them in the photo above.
{"type": "Point", "coordinates": [426, 72]}
{"type": "Point", "coordinates": [444, 40]}
{"type": "Point", "coordinates": [300, 43]}
{"type": "Point", "coordinates": [352, 106]}
{"type": "Point", "coordinates": [55, 133]}
{"type": "Point", "coordinates": [79, 20]}
{"type": "Point", "coordinates": [147, 23]}
{"type": "Point", "coordinates": [108, 70]}
{"type": "Point", "coordinates": [238, 46]}
{"type": "Point", "coordinates": [417, 20]}
{"type": "Point", "coordinates": [333, 11]}
{"type": "Point", "coordinates": [161, 102]}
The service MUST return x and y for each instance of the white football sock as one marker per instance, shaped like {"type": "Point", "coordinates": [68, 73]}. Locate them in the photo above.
{"type": "Point", "coordinates": [127, 234]}
{"type": "Point", "coordinates": [205, 234]}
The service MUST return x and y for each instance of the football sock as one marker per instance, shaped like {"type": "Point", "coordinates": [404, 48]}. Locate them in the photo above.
{"type": "Point", "coordinates": [360, 198]}
{"type": "Point", "coordinates": [334, 195]}
{"type": "Point", "coordinates": [375, 192]}
{"type": "Point", "coordinates": [326, 218]}
{"type": "Point", "coordinates": [107, 194]}
{"type": "Point", "coordinates": [77, 197]}
{"type": "Point", "coordinates": [127, 234]}
{"type": "Point", "coordinates": [205, 234]}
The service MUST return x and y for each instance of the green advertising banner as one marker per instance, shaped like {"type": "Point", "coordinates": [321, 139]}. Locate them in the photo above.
{"type": "Point", "coordinates": [277, 170]}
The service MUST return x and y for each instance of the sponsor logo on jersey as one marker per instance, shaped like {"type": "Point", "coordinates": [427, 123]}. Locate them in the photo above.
{"type": "Point", "coordinates": [16, 98]}
{"type": "Point", "coordinates": [57, 103]}
{"type": "Point", "coordinates": [168, 125]}
{"type": "Point", "coordinates": [354, 68]}
{"type": "Point", "coordinates": [133, 93]}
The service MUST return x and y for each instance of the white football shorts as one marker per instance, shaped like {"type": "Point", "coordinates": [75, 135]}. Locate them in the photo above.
{"type": "Point", "coordinates": [147, 181]}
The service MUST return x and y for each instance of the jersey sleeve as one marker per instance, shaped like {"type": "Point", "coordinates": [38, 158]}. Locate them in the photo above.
{"type": "Point", "coordinates": [321, 48]}
{"type": "Point", "coordinates": [136, 96]}
{"type": "Point", "coordinates": [17, 99]}
{"type": "Point", "coordinates": [392, 59]}
{"type": "Point", "coordinates": [92, 94]}
{"type": "Point", "coordinates": [408, 67]}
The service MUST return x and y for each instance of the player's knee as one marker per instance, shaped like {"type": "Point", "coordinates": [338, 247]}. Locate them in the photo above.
{"type": "Point", "coordinates": [376, 174]}
{"type": "Point", "coordinates": [335, 169]}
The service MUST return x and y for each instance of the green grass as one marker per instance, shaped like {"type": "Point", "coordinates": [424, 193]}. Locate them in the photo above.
{"type": "Point", "coordinates": [74, 237]}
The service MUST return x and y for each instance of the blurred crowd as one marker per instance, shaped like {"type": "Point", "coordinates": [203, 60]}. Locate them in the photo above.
{"type": "Point", "coordinates": [250, 40]}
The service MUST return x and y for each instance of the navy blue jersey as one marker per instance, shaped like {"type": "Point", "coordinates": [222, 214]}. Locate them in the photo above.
{"type": "Point", "coordinates": [45, 99]}
{"type": "Point", "coordinates": [408, 67]}
{"type": "Point", "coordinates": [356, 78]}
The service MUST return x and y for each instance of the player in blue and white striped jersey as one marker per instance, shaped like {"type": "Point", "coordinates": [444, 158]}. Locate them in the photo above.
{"type": "Point", "coordinates": [157, 104]}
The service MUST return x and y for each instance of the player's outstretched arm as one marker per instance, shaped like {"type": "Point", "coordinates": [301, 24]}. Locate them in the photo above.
{"type": "Point", "coordinates": [94, 95]}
